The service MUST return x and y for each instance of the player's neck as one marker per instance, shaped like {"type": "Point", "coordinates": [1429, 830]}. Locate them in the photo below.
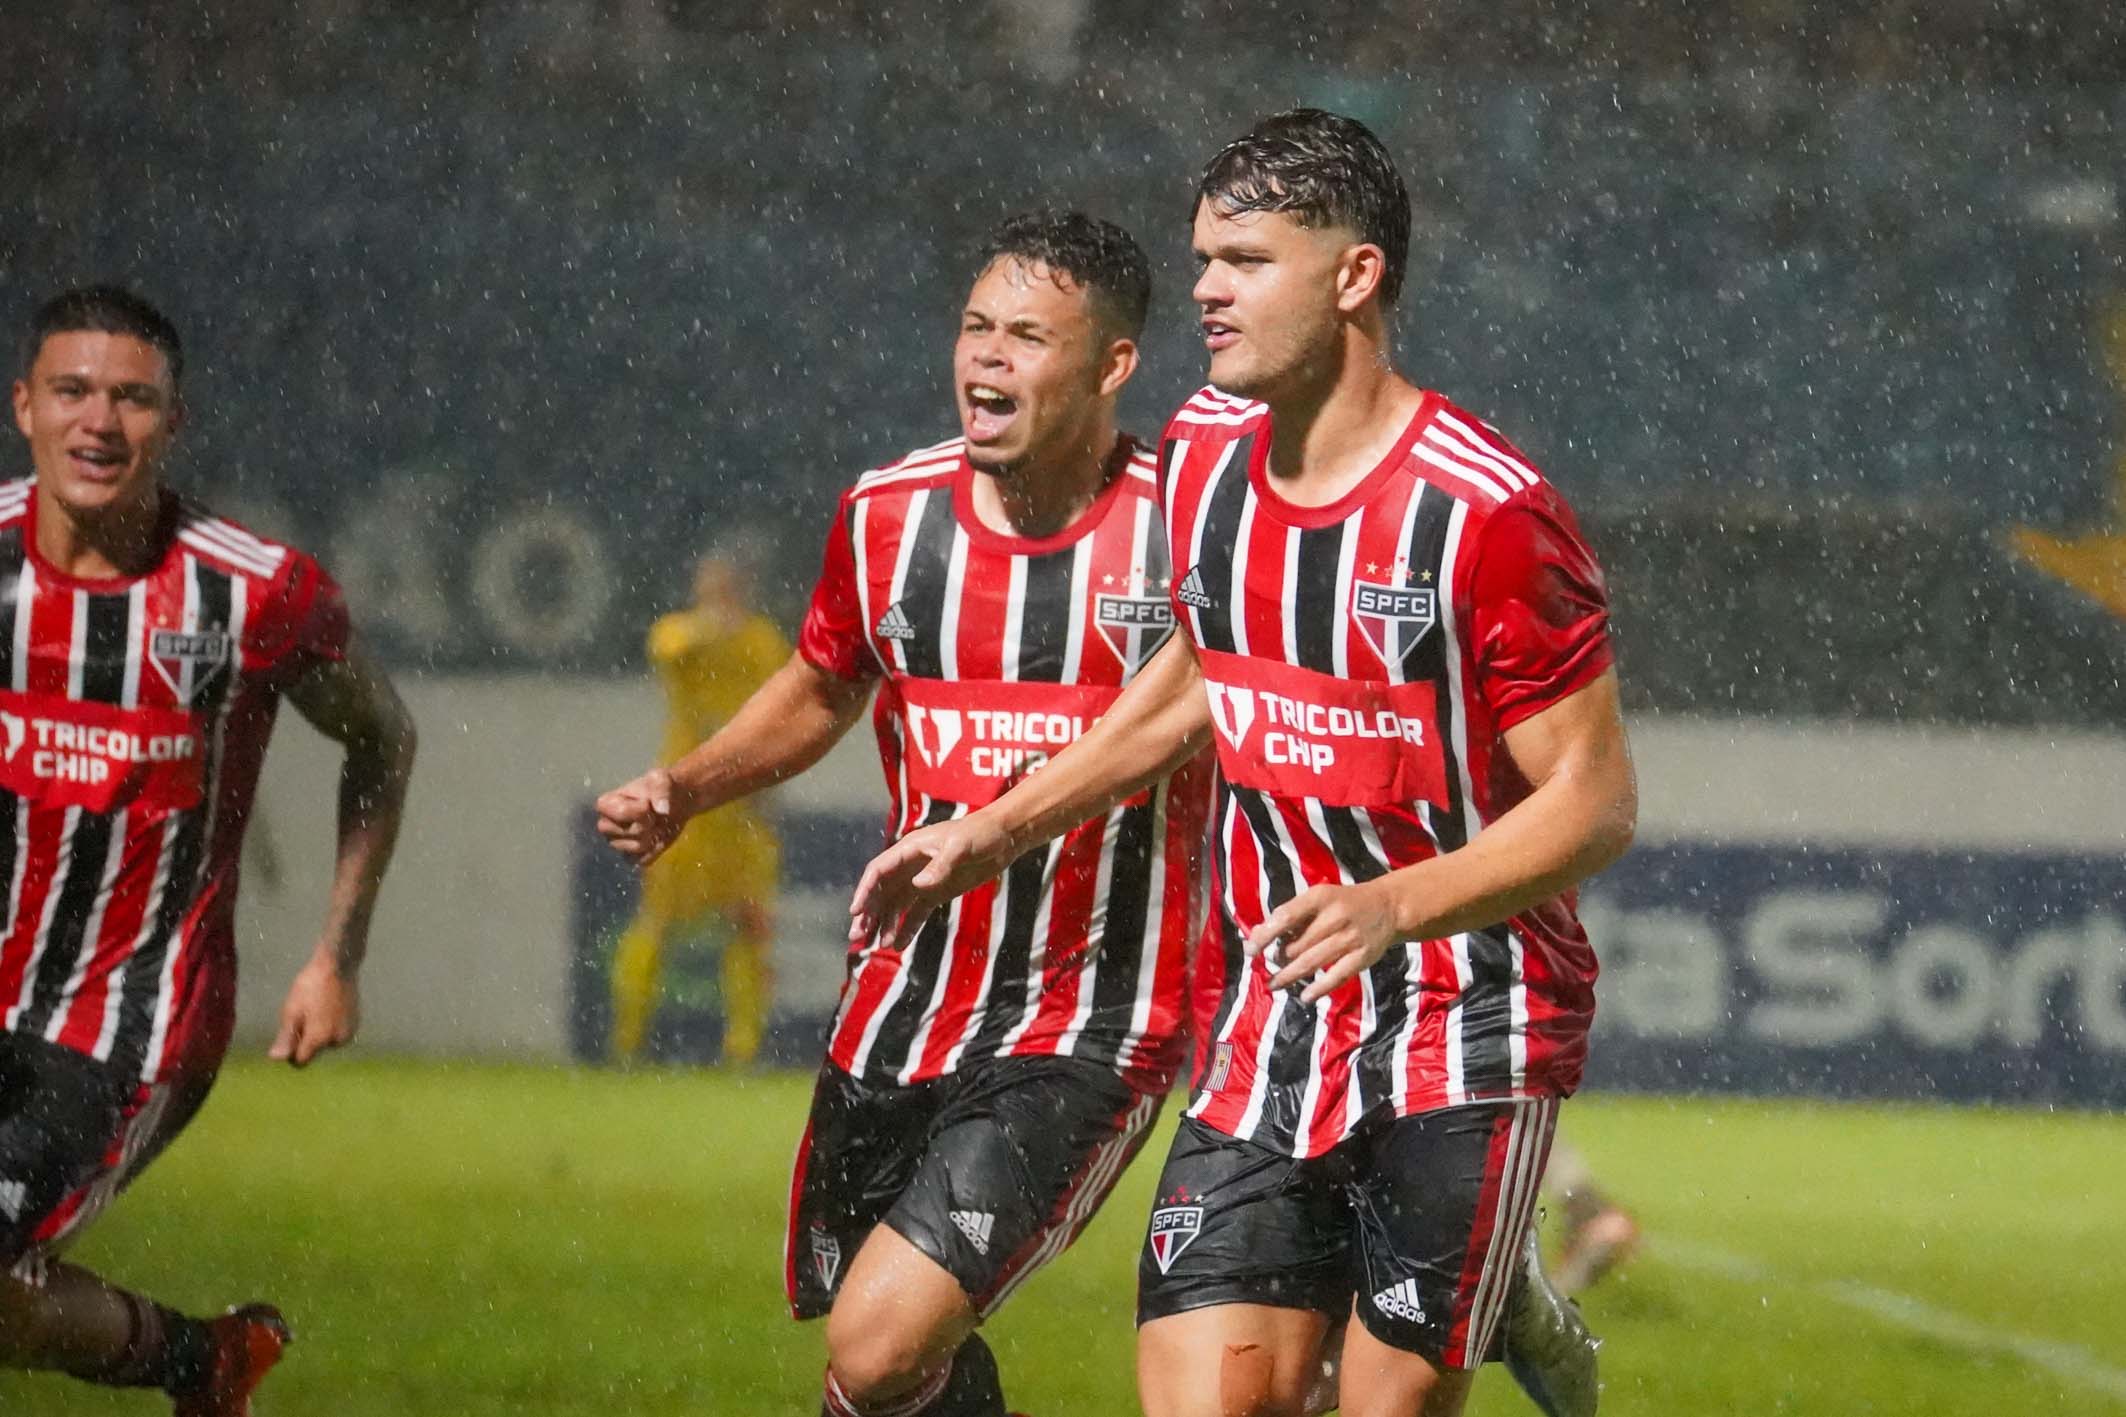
{"type": "Point", "coordinates": [1040, 499]}
{"type": "Point", "coordinates": [1331, 431]}
{"type": "Point", "coordinates": [117, 542]}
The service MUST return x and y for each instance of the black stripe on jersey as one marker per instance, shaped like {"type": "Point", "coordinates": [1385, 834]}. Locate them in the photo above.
{"type": "Point", "coordinates": [143, 972]}
{"type": "Point", "coordinates": [107, 635]}
{"type": "Point", "coordinates": [1290, 1064]}
{"type": "Point", "coordinates": [1261, 818]}
{"type": "Point", "coordinates": [1487, 1013]}
{"type": "Point", "coordinates": [1314, 608]}
{"type": "Point", "coordinates": [922, 597]}
{"type": "Point", "coordinates": [924, 959]}
{"type": "Point", "coordinates": [1219, 538]}
{"type": "Point", "coordinates": [1347, 840]}
{"type": "Point", "coordinates": [11, 558]}
{"type": "Point", "coordinates": [1122, 944]}
{"type": "Point", "coordinates": [1021, 888]}
{"type": "Point", "coordinates": [1044, 616]}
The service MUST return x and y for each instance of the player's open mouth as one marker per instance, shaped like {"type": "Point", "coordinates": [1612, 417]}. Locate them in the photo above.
{"type": "Point", "coordinates": [989, 412]}
{"type": "Point", "coordinates": [98, 463]}
{"type": "Point", "coordinates": [1218, 335]}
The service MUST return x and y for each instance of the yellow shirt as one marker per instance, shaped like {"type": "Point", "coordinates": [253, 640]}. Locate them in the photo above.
{"type": "Point", "coordinates": [709, 667]}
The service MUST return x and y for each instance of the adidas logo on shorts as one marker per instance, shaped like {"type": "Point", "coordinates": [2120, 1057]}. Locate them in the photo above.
{"type": "Point", "coordinates": [1191, 591]}
{"type": "Point", "coordinates": [13, 1196]}
{"type": "Point", "coordinates": [895, 624]}
{"type": "Point", "coordinates": [975, 1225]}
{"type": "Point", "coordinates": [1401, 1301]}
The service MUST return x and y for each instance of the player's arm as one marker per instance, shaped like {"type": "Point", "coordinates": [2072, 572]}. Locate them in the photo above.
{"type": "Point", "coordinates": [1157, 724]}
{"type": "Point", "coordinates": [351, 701]}
{"type": "Point", "coordinates": [785, 727]}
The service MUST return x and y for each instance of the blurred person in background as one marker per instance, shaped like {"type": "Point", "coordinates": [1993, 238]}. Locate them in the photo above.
{"type": "Point", "coordinates": [1397, 641]}
{"type": "Point", "coordinates": [719, 878]}
{"type": "Point", "coordinates": [1595, 1234]}
{"type": "Point", "coordinates": [988, 1079]}
{"type": "Point", "coordinates": [150, 646]}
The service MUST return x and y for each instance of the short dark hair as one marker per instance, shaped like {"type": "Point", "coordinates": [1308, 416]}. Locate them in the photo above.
{"type": "Point", "coordinates": [105, 309]}
{"type": "Point", "coordinates": [1096, 254]}
{"type": "Point", "coordinates": [1325, 170]}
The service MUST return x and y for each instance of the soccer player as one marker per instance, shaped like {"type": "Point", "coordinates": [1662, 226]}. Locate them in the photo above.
{"type": "Point", "coordinates": [144, 647]}
{"type": "Point", "coordinates": [722, 870]}
{"type": "Point", "coordinates": [988, 1076]}
{"type": "Point", "coordinates": [1396, 639]}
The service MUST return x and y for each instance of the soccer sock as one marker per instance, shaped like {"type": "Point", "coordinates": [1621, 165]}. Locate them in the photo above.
{"type": "Point", "coordinates": [163, 1349]}
{"type": "Point", "coordinates": [968, 1388]}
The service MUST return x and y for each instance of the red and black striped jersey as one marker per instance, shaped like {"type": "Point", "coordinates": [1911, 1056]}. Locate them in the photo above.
{"type": "Point", "coordinates": [134, 715]}
{"type": "Point", "coordinates": [1363, 660]}
{"type": "Point", "coordinates": [994, 652]}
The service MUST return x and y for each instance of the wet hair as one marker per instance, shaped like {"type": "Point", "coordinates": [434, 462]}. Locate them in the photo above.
{"type": "Point", "coordinates": [104, 309]}
{"type": "Point", "coordinates": [1323, 169]}
{"type": "Point", "coordinates": [1096, 254]}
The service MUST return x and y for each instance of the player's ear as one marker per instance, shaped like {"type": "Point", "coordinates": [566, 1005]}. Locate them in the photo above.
{"type": "Point", "coordinates": [22, 406]}
{"type": "Point", "coordinates": [1117, 364]}
{"type": "Point", "coordinates": [1359, 273]}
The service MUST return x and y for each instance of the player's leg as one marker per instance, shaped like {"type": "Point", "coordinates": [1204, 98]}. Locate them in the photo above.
{"type": "Point", "coordinates": [1445, 1204]}
{"type": "Point", "coordinates": [1599, 1234]}
{"type": "Point", "coordinates": [638, 959]}
{"type": "Point", "coordinates": [71, 1136]}
{"type": "Point", "coordinates": [1018, 1161]}
{"type": "Point", "coordinates": [1244, 1270]}
{"type": "Point", "coordinates": [748, 981]}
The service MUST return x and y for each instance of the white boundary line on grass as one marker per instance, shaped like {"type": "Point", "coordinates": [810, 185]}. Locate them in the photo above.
{"type": "Point", "coordinates": [2062, 1360]}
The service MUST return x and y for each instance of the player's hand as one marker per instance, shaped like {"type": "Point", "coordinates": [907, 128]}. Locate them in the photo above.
{"type": "Point", "coordinates": [637, 818]}
{"type": "Point", "coordinates": [1326, 935]}
{"type": "Point", "coordinates": [323, 1010]}
{"type": "Point", "coordinates": [924, 869]}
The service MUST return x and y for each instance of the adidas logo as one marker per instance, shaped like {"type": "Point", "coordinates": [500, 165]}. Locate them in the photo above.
{"type": "Point", "coordinates": [975, 1225]}
{"type": "Point", "coordinates": [1401, 1301]}
{"type": "Point", "coordinates": [895, 624]}
{"type": "Point", "coordinates": [13, 1195]}
{"type": "Point", "coordinates": [1192, 591]}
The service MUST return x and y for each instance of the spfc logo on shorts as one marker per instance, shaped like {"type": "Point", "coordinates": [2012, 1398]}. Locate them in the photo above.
{"type": "Point", "coordinates": [1393, 618]}
{"type": "Point", "coordinates": [1174, 1229]}
{"type": "Point", "coordinates": [826, 1258]}
{"type": "Point", "coordinates": [172, 652]}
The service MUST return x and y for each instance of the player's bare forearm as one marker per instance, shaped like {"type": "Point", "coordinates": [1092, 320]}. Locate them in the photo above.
{"type": "Point", "coordinates": [1579, 817]}
{"type": "Point", "coordinates": [785, 727]}
{"type": "Point", "coordinates": [355, 703]}
{"type": "Point", "coordinates": [1157, 724]}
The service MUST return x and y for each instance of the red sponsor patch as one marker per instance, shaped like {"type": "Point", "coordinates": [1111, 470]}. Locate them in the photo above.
{"type": "Point", "coordinates": [970, 740]}
{"type": "Point", "coordinates": [57, 752]}
{"type": "Point", "coordinates": [1350, 743]}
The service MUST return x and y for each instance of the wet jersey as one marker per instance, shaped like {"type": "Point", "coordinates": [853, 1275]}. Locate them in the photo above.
{"type": "Point", "coordinates": [993, 653]}
{"type": "Point", "coordinates": [1363, 660]}
{"type": "Point", "coordinates": [134, 715]}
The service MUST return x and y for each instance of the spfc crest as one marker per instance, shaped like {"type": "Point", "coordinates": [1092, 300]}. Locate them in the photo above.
{"type": "Point", "coordinates": [1174, 1229]}
{"type": "Point", "coordinates": [204, 652]}
{"type": "Point", "coordinates": [1393, 618]}
{"type": "Point", "coordinates": [1117, 615]}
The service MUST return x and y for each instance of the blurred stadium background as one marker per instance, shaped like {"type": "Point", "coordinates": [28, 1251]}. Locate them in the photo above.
{"type": "Point", "coordinates": [1816, 310]}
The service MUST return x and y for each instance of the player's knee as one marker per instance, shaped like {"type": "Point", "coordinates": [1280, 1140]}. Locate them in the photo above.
{"type": "Point", "coordinates": [1251, 1383]}
{"type": "Point", "coordinates": [874, 1356]}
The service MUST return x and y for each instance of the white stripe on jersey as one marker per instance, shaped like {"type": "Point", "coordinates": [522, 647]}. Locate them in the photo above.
{"type": "Point", "coordinates": [1455, 448]}
{"type": "Point", "coordinates": [1037, 954]}
{"type": "Point", "coordinates": [999, 912]}
{"type": "Point", "coordinates": [878, 481]}
{"type": "Point", "coordinates": [1237, 591]}
{"type": "Point", "coordinates": [1397, 650]}
{"type": "Point", "coordinates": [937, 997]}
{"type": "Point", "coordinates": [1489, 439]}
{"type": "Point", "coordinates": [1251, 1118]}
{"type": "Point", "coordinates": [1140, 1013]}
{"type": "Point", "coordinates": [63, 866]}
{"type": "Point", "coordinates": [240, 539]}
{"type": "Point", "coordinates": [1465, 472]}
{"type": "Point", "coordinates": [949, 627]}
{"type": "Point", "coordinates": [1288, 612]}
{"type": "Point", "coordinates": [1081, 565]}
{"type": "Point", "coordinates": [25, 596]}
{"type": "Point", "coordinates": [196, 537]}
{"type": "Point", "coordinates": [1096, 928]}
{"type": "Point", "coordinates": [1346, 569]}
{"type": "Point", "coordinates": [903, 554]}
{"type": "Point", "coordinates": [1014, 618]}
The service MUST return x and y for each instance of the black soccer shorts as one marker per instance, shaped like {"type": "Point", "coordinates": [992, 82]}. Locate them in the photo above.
{"type": "Point", "coordinates": [1414, 1224]}
{"type": "Point", "coordinates": [73, 1133]}
{"type": "Point", "coordinates": [991, 1171]}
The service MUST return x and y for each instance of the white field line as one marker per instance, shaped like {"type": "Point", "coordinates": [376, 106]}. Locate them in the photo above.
{"type": "Point", "coordinates": [2062, 1360]}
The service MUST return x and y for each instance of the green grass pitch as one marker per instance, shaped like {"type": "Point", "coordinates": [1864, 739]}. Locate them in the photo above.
{"type": "Point", "coordinates": [474, 1239]}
